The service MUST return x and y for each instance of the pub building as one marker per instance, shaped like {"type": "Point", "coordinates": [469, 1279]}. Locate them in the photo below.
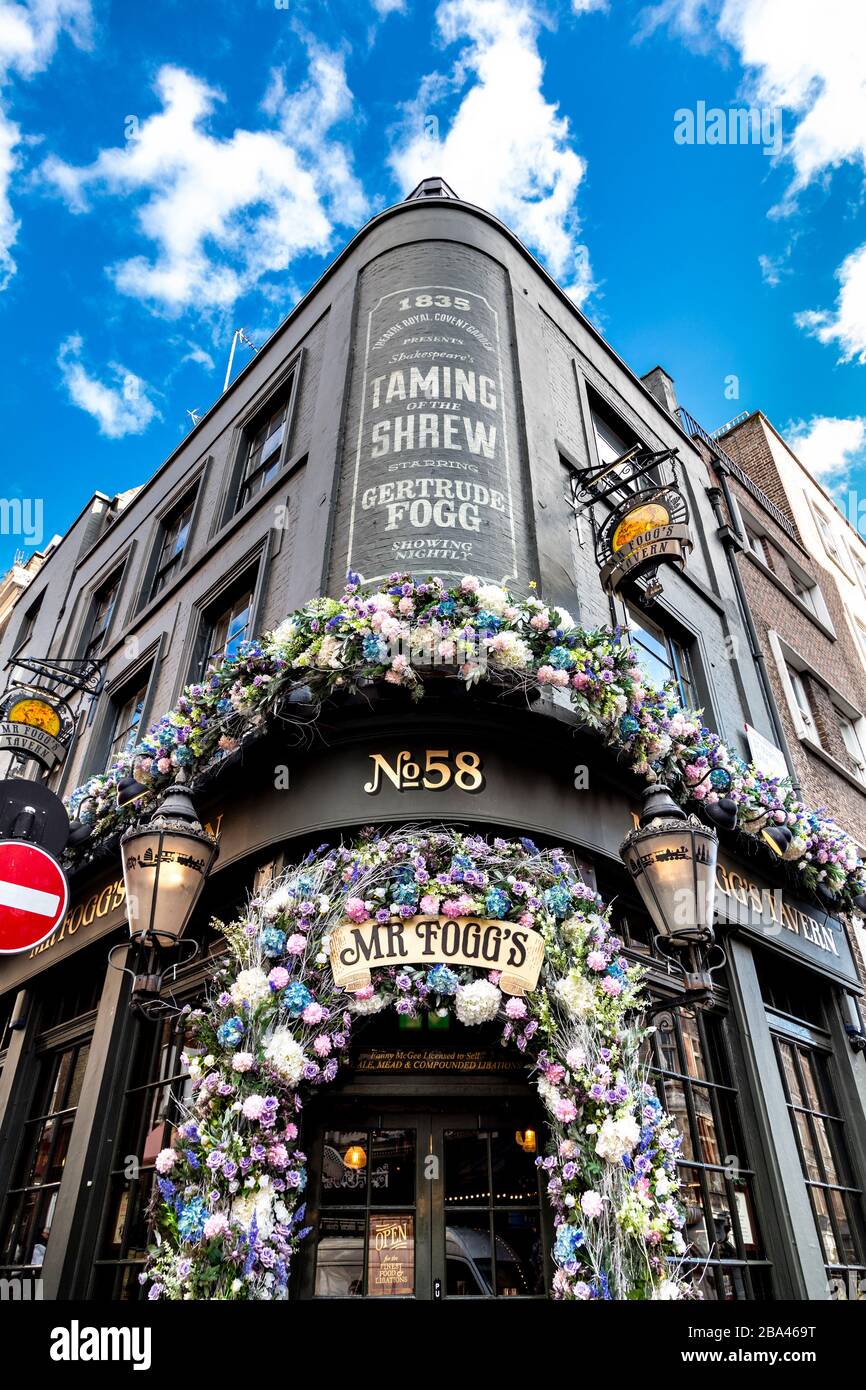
{"type": "Point", "coordinates": [435, 404]}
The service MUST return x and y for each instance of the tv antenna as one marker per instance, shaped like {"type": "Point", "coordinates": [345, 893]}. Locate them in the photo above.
{"type": "Point", "coordinates": [193, 415]}
{"type": "Point", "coordinates": [239, 336]}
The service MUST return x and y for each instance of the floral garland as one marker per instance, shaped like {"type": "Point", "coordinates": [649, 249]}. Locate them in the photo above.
{"type": "Point", "coordinates": [334, 644]}
{"type": "Point", "coordinates": [230, 1207]}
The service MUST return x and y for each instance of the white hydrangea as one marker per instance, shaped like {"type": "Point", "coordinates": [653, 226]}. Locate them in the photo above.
{"type": "Point", "coordinates": [371, 1005]}
{"type": "Point", "coordinates": [492, 599]}
{"type": "Point", "coordinates": [509, 652]}
{"type": "Point", "coordinates": [258, 1204]}
{"type": "Point", "coordinates": [564, 618]}
{"type": "Point", "coordinates": [284, 634]}
{"type": "Point", "coordinates": [478, 1002]}
{"type": "Point", "coordinates": [286, 1056]}
{"type": "Point", "coordinates": [617, 1138]}
{"type": "Point", "coordinates": [667, 1290]}
{"type": "Point", "coordinates": [279, 901]}
{"type": "Point", "coordinates": [576, 993]}
{"type": "Point", "coordinates": [251, 985]}
{"type": "Point", "coordinates": [329, 653]}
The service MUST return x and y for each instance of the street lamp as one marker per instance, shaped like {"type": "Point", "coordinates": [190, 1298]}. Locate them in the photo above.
{"type": "Point", "coordinates": [165, 864]}
{"type": "Point", "coordinates": [671, 858]}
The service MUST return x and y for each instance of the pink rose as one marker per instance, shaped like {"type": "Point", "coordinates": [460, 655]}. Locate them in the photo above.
{"type": "Point", "coordinates": [322, 1045]}
{"type": "Point", "coordinates": [451, 907]}
{"type": "Point", "coordinates": [611, 986]}
{"type": "Point", "coordinates": [165, 1161]}
{"type": "Point", "coordinates": [596, 960]}
{"type": "Point", "coordinates": [429, 903]}
{"type": "Point", "coordinates": [565, 1110]}
{"type": "Point", "coordinates": [516, 1008]}
{"type": "Point", "coordinates": [291, 1130]}
{"type": "Point", "coordinates": [356, 909]}
{"type": "Point", "coordinates": [278, 977]}
{"type": "Point", "coordinates": [313, 1013]}
{"type": "Point", "coordinates": [253, 1107]}
{"type": "Point", "coordinates": [243, 1061]}
{"type": "Point", "coordinates": [296, 944]}
{"type": "Point", "coordinates": [365, 993]}
{"type": "Point", "coordinates": [580, 680]}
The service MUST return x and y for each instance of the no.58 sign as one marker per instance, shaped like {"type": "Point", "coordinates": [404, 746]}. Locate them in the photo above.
{"type": "Point", "coordinates": [432, 770]}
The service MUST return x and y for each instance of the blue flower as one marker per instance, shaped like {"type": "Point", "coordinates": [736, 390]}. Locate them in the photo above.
{"type": "Point", "coordinates": [488, 621]}
{"type": "Point", "coordinates": [296, 998]}
{"type": "Point", "coordinates": [442, 980]}
{"type": "Point", "coordinates": [628, 725]}
{"type": "Point", "coordinates": [374, 648]}
{"type": "Point", "coordinates": [568, 1242]}
{"type": "Point", "coordinates": [561, 659]}
{"type": "Point", "coordinates": [497, 902]}
{"type": "Point", "coordinates": [273, 941]}
{"type": "Point", "coordinates": [720, 779]}
{"type": "Point", "coordinates": [191, 1219]}
{"type": "Point", "coordinates": [231, 1032]}
{"type": "Point", "coordinates": [405, 893]}
{"type": "Point", "coordinates": [557, 900]}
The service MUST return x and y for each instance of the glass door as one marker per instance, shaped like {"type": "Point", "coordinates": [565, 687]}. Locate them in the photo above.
{"type": "Point", "coordinates": [372, 1223]}
{"type": "Point", "coordinates": [488, 1228]}
{"type": "Point", "coordinates": [426, 1205]}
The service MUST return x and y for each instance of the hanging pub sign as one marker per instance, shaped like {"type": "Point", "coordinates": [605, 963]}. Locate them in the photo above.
{"type": "Point", "coordinates": [34, 723]}
{"type": "Point", "coordinates": [358, 947]}
{"type": "Point", "coordinates": [650, 528]}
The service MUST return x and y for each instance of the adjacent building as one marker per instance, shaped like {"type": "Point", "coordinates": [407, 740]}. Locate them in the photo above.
{"type": "Point", "coordinates": [429, 406]}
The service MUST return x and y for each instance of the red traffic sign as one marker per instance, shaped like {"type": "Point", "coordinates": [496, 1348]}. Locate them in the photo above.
{"type": "Point", "coordinates": [33, 896]}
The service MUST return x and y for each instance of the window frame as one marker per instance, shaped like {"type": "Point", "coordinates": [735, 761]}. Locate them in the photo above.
{"type": "Point", "coordinates": [679, 654]}
{"type": "Point", "coordinates": [284, 390]}
{"type": "Point", "coordinates": [162, 572]}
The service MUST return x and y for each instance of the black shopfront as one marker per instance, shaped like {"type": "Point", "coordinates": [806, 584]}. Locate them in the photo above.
{"type": "Point", "coordinates": [765, 1089]}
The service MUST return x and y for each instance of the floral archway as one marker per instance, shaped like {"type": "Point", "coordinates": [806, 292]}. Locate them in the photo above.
{"type": "Point", "coordinates": [231, 1198]}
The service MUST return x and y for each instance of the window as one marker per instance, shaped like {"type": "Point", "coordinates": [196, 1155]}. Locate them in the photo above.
{"type": "Point", "coordinates": [861, 633]}
{"type": "Point", "coordinates": [661, 657]}
{"type": "Point", "coordinates": [101, 612]}
{"type": "Point", "coordinates": [609, 444]}
{"type": "Point", "coordinates": [265, 448]}
{"type": "Point", "coordinates": [759, 548]}
{"type": "Point", "coordinates": [859, 570]}
{"type": "Point", "coordinates": [223, 633]}
{"type": "Point", "coordinates": [819, 1131]}
{"type": "Point", "coordinates": [805, 593]}
{"type": "Point", "coordinates": [802, 702]}
{"type": "Point", "coordinates": [173, 537]}
{"type": "Point", "coordinates": [28, 623]}
{"type": "Point", "coordinates": [851, 739]}
{"type": "Point", "coordinates": [127, 718]}
{"type": "Point", "coordinates": [151, 1109]}
{"type": "Point", "coordinates": [825, 529]}
{"type": "Point", "coordinates": [32, 1198]}
{"type": "Point", "coordinates": [695, 1082]}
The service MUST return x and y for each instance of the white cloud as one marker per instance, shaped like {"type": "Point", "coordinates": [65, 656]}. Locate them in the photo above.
{"type": "Point", "coordinates": [829, 447]}
{"type": "Point", "coordinates": [846, 324]}
{"type": "Point", "coordinates": [121, 408]}
{"type": "Point", "coordinates": [221, 214]}
{"type": "Point", "coordinates": [810, 60]}
{"type": "Point", "coordinates": [588, 6]}
{"type": "Point", "coordinates": [507, 148]}
{"type": "Point", "coordinates": [385, 7]}
{"type": "Point", "coordinates": [29, 34]}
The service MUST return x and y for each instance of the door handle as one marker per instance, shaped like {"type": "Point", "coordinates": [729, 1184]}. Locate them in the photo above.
{"type": "Point", "coordinates": [437, 1288]}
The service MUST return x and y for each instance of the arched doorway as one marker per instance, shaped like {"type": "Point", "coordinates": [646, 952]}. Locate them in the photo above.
{"type": "Point", "coordinates": [423, 1175]}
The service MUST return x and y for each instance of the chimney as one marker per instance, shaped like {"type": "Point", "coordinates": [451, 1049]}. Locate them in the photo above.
{"type": "Point", "coordinates": [662, 387]}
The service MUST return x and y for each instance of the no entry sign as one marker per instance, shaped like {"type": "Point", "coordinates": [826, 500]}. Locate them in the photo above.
{"type": "Point", "coordinates": [33, 895]}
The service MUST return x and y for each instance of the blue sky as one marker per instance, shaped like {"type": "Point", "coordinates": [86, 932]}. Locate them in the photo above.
{"type": "Point", "coordinates": [171, 171]}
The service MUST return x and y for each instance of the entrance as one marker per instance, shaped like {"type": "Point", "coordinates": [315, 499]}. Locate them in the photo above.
{"type": "Point", "coordinates": [427, 1204]}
